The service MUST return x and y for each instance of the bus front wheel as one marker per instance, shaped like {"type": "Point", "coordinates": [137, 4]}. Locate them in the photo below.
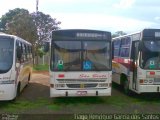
{"type": "Point", "coordinates": [18, 90]}
{"type": "Point", "coordinates": [126, 87]}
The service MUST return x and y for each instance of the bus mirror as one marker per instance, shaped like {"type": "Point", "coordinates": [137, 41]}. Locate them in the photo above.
{"type": "Point", "coordinates": [17, 65]}
{"type": "Point", "coordinates": [19, 53]}
{"type": "Point", "coordinates": [46, 47]}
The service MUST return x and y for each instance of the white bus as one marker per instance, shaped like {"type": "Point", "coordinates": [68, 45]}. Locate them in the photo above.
{"type": "Point", "coordinates": [136, 63]}
{"type": "Point", "coordinates": [80, 63]}
{"type": "Point", "coordinates": [15, 65]}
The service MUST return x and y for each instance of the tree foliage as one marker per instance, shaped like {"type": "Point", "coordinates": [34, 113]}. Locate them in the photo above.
{"type": "Point", "coordinates": [19, 22]}
{"type": "Point", "coordinates": [23, 26]}
{"type": "Point", "coordinates": [118, 33]}
{"type": "Point", "coordinates": [34, 27]}
{"type": "Point", "coordinates": [45, 24]}
{"type": "Point", "coordinates": [6, 18]}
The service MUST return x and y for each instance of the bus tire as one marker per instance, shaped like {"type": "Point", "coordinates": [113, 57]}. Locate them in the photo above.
{"type": "Point", "coordinates": [29, 78]}
{"type": "Point", "coordinates": [18, 90]}
{"type": "Point", "coordinates": [126, 87]}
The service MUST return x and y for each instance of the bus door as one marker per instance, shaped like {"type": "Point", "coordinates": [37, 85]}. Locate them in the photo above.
{"type": "Point", "coordinates": [135, 63]}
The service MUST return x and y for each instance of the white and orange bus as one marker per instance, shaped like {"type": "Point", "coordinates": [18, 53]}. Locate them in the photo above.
{"type": "Point", "coordinates": [80, 63]}
{"type": "Point", "coordinates": [136, 61]}
{"type": "Point", "coordinates": [15, 65]}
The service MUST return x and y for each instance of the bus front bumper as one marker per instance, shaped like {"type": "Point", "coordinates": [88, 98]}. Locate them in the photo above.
{"type": "Point", "coordinates": [79, 93]}
{"type": "Point", "coordinates": [7, 92]}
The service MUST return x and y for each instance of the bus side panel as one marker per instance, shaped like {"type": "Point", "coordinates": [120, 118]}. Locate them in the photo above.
{"type": "Point", "coordinates": [25, 73]}
{"type": "Point", "coordinates": [120, 66]}
{"type": "Point", "coordinates": [8, 87]}
{"type": "Point", "coordinates": [7, 91]}
{"type": "Point", "coordinates": [116, 73]}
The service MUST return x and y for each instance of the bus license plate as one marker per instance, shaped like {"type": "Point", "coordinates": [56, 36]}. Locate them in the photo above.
{"type": "Point", "coordinates": [81, 92]}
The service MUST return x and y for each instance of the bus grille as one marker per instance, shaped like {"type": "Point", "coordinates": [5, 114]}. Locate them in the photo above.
{"type": "Point", "coordinates": [81, 85]}
{"type": "Point", "coordinates": [80, 80]}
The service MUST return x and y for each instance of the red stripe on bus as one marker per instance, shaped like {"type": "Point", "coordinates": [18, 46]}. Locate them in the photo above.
{"type": "Point", "coordinates": [128, 63]}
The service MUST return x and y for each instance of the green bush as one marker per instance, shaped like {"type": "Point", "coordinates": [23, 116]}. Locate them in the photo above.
{"type": "Point", "coordinates": [41, 67]}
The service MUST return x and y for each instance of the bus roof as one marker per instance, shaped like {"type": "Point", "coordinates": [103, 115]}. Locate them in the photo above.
{"type": "Point", "coordinates": [80, 30]}
{"type": "Point", "coordinates": [81, 34]}
{"type": "Point", "coordinates": [146, 32]}
{"type": "Point", "coordinates": [14, 37]}
{"type": "Point", "coordinates": [127, 35]}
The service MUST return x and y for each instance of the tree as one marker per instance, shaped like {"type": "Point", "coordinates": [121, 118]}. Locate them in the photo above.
{"type": "Point", "coordinates": [118, 33]}
{"type": "Point", "coordinates": [8, 17]}
{"type": "Point", "coordinates": [20, 23]}
{"type": "Point", "coordinates": [44, 24]}
{"type": "Point", "coordinates": [35, 27]}
{"type": "Point", "coordinates": [23, 26]}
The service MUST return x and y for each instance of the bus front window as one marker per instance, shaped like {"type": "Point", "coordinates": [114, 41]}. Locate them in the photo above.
{"type": "Point", "coordinates": [96, 55]}
{"type": "Point", "coordinates": [151, 54]}
{"type": "Point", "coordinates": [6, 54]}
{"type": "Point", "coordinates": [66, 56]}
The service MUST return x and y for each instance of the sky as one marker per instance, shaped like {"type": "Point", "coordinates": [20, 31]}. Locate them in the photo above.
{"type": "Point", "coordinates": [108, 15]}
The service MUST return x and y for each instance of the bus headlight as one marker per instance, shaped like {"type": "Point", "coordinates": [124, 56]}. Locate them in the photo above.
{"type": "Point", "coordinates": [146, 81]}
{"type": "Point", "coordinates": [7, 82]}
{"type": "Point", "coordinates": [150, 81]}
{"type": "Point", "coordinates": [103, 85]}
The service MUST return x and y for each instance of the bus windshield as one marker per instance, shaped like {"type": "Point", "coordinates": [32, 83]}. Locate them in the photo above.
{"type": "Point", "coordinates": [97, 54]}
{"type": "Point", "coordinates": [151, 54]}
{"type": "Point", "coordinates": [80, 56]}
{"type": "Point", "coordinates": [6, 54]}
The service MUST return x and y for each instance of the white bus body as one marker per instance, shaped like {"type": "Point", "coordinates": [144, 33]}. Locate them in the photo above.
{"type": "Point", "coordinates": [15, 73]}
{"type": "Point", "coordinates": [84, 63]}
{"type": "Point", "coordinates": [136, 63]}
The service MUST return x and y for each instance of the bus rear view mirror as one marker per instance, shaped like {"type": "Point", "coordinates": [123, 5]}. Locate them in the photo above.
{"type": "Point", "coordinates": [17, 65]}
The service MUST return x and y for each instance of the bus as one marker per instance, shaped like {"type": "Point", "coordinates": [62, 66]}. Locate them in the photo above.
{"type": "Point", "coordinates": [80, 63]}
{"type": "Point", "coordinates": [136, 61]}
{"type": "Point", "coordinates": [15, 65]}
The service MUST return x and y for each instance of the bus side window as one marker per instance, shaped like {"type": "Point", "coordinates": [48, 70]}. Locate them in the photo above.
{"type": "Point", "coordinates": [30, 49]}
{"type": "Point", "coordinates": [28, 52]}
{"type": "Point", "coordinates": [116, 45]}
{"type": "Point", "coordinates": [125, 47]}
{"type": "Point", "coordinates": [24, 52]}
{"type": "Point", "coordinates": [18, 51]}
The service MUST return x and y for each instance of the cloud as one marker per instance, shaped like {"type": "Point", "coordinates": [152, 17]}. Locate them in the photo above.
{"type": "Point", "coordinates": [66, 1]}
{"type": "Point", "coordinates": [7, 5]}
{"type": "Point", "coordinates": [101, 22]}
{"type": "Point", "coordinates": [157, 18]}
{"type": "Point", "coordinates": [111, 15]}
{"type": "Point", "coordinates": [124, 4]}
